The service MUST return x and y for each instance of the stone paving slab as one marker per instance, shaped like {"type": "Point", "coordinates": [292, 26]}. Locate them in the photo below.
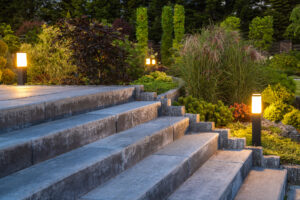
{"type": "Point", "coordinates": [263, 184]}
{"type": "Point", "coordinates": [78, 171]}
{"type": "Point", "coordinates": [23, 106]}
{"type": "Point", "coordinates": [158, 175]}
{"type": "Point", "coordinates": [218, 179]}
{"type": "Point", "coordinates": [293, 192]}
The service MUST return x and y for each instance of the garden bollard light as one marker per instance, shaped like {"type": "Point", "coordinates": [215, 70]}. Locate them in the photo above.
{"type": "Point", "coordinates": [22, 70]}
{"type": "Point", "coordinates": [256, 119]}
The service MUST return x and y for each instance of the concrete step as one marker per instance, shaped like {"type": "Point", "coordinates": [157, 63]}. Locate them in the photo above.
{"type": "Point", "coordinates": [23, 106]}
{"type": "Point", "coordinates": [74, 173]}
{"type": "Point", "coordinates": [293, 192]}
{"type": "Point", "coordinates": [26, 147]}
{"type": "Point", "coordinates": [160, 174]}
{"type": "Point", "coordinates": [219, 178]}
{"type": "Point", "coordinates": [264, 184]}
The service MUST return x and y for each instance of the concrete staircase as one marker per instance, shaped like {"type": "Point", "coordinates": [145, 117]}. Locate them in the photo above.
{"type": "Point", "coordinates": [100, 143]}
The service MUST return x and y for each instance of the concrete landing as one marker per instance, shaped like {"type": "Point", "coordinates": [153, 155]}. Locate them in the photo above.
{"type": "Point", "coordinates": [263, 184]}
{"type": "Point", "coordinates": [293, 192]}
{"type": "Point", "coordinates": [22, 106]}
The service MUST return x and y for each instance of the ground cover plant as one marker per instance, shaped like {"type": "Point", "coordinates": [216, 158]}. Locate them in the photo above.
{"type": "Point", "coordinates": [218, 113]}
{"type": "Point", "coordinates": [272, 142]}
{"type": "Point", "coordinates": [157, 82]}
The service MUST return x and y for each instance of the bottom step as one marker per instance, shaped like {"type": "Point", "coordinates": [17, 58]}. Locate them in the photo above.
{"type": "Point", "coordinates": [263, 184]}
{"type": "Point", "coordinates": [219, 178]}
{"type": "Point", "coordinates": [294, 192]}
{"type": "Point", "coordinates": [158, 175]}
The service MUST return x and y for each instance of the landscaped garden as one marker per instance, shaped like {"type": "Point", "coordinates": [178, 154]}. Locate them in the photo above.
{"type": "Point", "coordinates": [223, 56]}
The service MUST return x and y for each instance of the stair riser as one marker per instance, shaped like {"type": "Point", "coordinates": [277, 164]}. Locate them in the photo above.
{"type": "Point", "coordinates": [20, 117]}
{"type": "Point", "coordinates": [91, 176]}
{"type": "Point", "coordinates": [30, 153]}
{"type": "Point", "coordinates": [236, 183]}
{"type": "Point", "coordinates": [171, 182]}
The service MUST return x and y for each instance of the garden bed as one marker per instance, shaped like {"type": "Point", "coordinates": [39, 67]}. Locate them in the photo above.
{"type": "Point", "coordinates": [272, 141]}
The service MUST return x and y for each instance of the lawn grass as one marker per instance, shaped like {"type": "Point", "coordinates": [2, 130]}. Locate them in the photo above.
{"type": "Point", "coordinates": [272, 142]}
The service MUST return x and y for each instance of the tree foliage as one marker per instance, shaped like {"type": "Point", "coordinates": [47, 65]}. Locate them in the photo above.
{"type": "Point", "coordinates": [167, 35]}
{"type": "Point", "coordinates": [261, 32]}
{"type": "Point", "coordinates": [293, 30]}
{"type": "Point", "coordinates": [231, 23]}
{"type": "Point", "coordinates": [178, 23]}
{"type": "Point", "coordinates": [100, 52]}
{"type": "Point", "coordinates": [142, 29]}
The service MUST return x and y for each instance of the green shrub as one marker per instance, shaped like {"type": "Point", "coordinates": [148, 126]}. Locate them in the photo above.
{"type": "Point", "coordinates": [218, 113]}
{"type": "Point", "coordinates": [277, 93]}
{"type": "Point", "coordinates": [231, 23]}
{"type": "Point", "coordinates": [215, 66]}
{"type": "Point", "coordinates": [292, 118]}
{"type": "Point", "coordinates": [8, 77]}
{"type": "Point", "coordinates": [142, 29]}
{"type": "Point", "coordinates": [3, 48]}
{"type": "Point", "coordinates": [293, 30]}
{"type": "Point", "coordinates": [269, 76]}
{"type": "Point", "coordinates": [272, 142]}
{"type": "Point", "coordinates": [7, 35]}
{"type": "Point", "coordinates": [166, 38]}
{"type": "Point", "coordinates": [285, 63]}
{"type": "Point", "coordinates": [49, 61]}
{"type": "Point", "coordinates": [261, 32]}
{"type": "Point", "coordinates": [276, 111]}
{"type": "Point", "coordinates": [157, 82]}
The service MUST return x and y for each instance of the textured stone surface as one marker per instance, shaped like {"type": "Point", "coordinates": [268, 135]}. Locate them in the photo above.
{"type": "Point", "coordinates": [171, 94]}
{"type": "Point", "coordinates": [158, 175]}
{"type": "Point", "coordinates": [271, 162]}
{"type": "Point", "coordinates": [236, 143]}
{"type": "Point", "coordinates": [293, 172]}
{"type": "Point", "coordinates": [20, 149]}
{"type": "Point", "coordinates": [74, 173]}
{"type": "Point", "coordinates": [257, 155]}
{"type": "Point", "coordinates": [147, 96]}
{"type": "Point", "coordinates": [36, 105]}
{"type": "Point", "coordinates": [293, 192]}
{"type": "Point", "coordinates": [194, 118]}
{"type": "Point", "coordinates": [263, 184]}
{"type": "Point", "coordinates": [202, 127]}
{"type": "Point", "coordinates": [219, 178]}
{"type": "Point", "coordinates": [223, 137]}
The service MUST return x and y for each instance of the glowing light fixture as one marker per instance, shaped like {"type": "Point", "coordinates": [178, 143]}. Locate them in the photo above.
{"type": "Point", "coordinates": [256, 119]}
{"type": "Point", "coordinates": [22, 65]}
{"type": "Point", "coordinates": [153, 61]}
{"type": "Point", "coordinates": [21, 60]}
{"type": "Point", "coordinates": [256, 104]}
{"type": "Point", "coordinates": [148, 61]}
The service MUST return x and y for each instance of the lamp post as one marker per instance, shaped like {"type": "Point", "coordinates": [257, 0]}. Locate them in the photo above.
{"type": "Point", "coordinates": [256, 119]}
{"type": "Point", "coordinates": [148, 61]}
{"type": "Point", "coordinates": [21, 65]}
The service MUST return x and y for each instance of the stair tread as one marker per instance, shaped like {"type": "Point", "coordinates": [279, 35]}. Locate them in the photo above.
{"type": "Point", "coordinates": [14, 98]}
{"type": "Point", "coordinates": [263, 184]}
{"type": "Point", "coordinates": [23, 183]}
{"type": "Point", "coordinates": [135, 182]}
{"type": "Point", "coordinates": [45, 129]}
{"type": "Point", "coordinates": [212, 179]}
{"type": "Point", "coordinates": [293, 192]}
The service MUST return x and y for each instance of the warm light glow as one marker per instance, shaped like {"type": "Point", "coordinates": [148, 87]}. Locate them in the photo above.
{"type": "Point", "coordinates": [148, 61]}
{"type": "Point", "coordinates": [256, 104]}
{"type": "Point", "coordinates": [21, 60]}
{"type": "Point", "coordinates": [153, 62]}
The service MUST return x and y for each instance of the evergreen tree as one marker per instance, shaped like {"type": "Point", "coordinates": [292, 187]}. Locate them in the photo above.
{"type": "Point", "coordinates": [166, 41]}
{"type": "Point", "coordinates": [142, 29]}
{"type": "Point", "coordinates": [178, 23]}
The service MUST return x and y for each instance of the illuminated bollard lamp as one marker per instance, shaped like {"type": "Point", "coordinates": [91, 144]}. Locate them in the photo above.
{"type": "Point", "coordinates": [256, 119]}
{"type": "Point", "coordinates": [22, 68]}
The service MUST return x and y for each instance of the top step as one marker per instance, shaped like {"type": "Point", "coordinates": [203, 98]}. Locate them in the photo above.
{"type": "Point", "coordinates": [22, 106]}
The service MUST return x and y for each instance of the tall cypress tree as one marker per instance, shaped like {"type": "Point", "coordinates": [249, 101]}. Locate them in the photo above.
{"type": "Point", "coordinates": [142, 29]}
{"type": "Point", "coordinates": [166, 41]}
{"type": "Point", "coordinates": [178, 23]}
